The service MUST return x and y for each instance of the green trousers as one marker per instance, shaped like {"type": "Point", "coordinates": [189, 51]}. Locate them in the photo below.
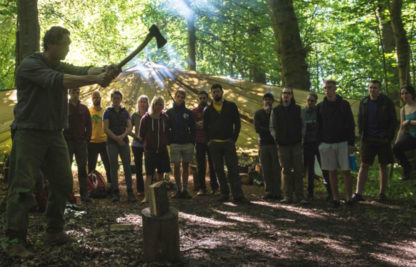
{"type": "Point", "coordinates": [291, 160]}
{"type": "Point", "coordinates": [31, 150]}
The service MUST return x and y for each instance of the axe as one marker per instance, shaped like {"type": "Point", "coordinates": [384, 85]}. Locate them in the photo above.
{"type": "Point", "coordinates": [153, 32]}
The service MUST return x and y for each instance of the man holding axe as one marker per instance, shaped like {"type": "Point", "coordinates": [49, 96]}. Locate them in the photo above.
{"type": "Point", "coordinates": [42, 83]}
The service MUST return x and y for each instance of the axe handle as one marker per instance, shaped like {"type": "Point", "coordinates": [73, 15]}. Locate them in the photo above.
{"type": "Point", "coordinates": [135, 52]}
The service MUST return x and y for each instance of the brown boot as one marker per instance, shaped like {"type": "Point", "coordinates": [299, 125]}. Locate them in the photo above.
{"type": "Point", "coordinates": [59, 238]}
{"type": "Point", "coordinates": [18, 250]}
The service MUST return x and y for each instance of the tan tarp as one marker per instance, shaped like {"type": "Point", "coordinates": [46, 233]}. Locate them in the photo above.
{"type": "Point", "coordinates": [152, 79]}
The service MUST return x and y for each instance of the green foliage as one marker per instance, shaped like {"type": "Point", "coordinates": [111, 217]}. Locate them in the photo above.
{"type": "Point", "coordinates": [234, 38]}
{"type": "Point", "coordinates": [8, 15]}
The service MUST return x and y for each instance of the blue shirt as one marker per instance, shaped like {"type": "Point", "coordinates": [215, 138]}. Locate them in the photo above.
{"type": "Point", "coordinates": [117, 121]}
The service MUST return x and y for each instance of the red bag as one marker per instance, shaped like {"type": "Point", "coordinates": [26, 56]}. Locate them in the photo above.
{"type": "Point", "coordinates": [41, 197]}
{"type": "Point", "coordinates": [96, 185]}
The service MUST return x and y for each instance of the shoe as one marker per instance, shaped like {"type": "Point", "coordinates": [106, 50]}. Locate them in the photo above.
{"type": "Point", "coordinates": [59, 238]}
{"type": "Point", "coordinates": [116, 198]}
{"type": "Point", "coordinates": [241, 200]}
{"type": "Point", "coordinates": [177, 195]}
{"type": "Point", "coordinates": [86, 199]}
{"type": "Point", "coordinates": [350, 203]}
{"type": "Point", "coordinates": [18, 250]}
{"type": "Point", "coordinates": [277, 197]}
{"type": "Point", "coordinates": [303, 202]}
{"type": "Point", "coordinates": [186, 195]}
{"type": "Point", "coordinates": [268, 196]}
{"type": "Point", "coordinates": [201, 192]}
{"type": "Point", "coordinates": [357, 197]}
{"type": "Point", "coordinates": [335, 203]}
{"type": "Point", "coordinates": [223, 198]}
{"type": "Point", "coordinates": [286, 201]}
{"type": "Point", "coordinates": [131, 198]}
{"type": "Point", "coordinates": [214, 191]}
{"type": "Point", "coordinates": [144, 201]}
{"type": "Point", "coordinates": [382, 198]}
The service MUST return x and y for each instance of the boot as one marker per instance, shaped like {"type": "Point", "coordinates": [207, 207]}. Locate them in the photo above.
{"type": "Point", "coordinates": [58, 238]}
{"type": "Point", "coordinates": [130, 197]}
{"type": "Point", "coordinates": [18, 250]}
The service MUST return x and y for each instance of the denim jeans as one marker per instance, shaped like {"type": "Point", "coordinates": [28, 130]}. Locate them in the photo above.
{"type": "Point", "coordinates": [113, 150]}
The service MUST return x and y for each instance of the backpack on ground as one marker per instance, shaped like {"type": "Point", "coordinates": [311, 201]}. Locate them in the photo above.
{"type": "Point", "coordinates": [96, 185]}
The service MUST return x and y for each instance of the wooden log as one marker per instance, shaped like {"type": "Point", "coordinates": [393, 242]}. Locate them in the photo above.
{"type": "Point", "coordinates": [161, 236]}
{"type": "Point", "coordinates": [159, 203]}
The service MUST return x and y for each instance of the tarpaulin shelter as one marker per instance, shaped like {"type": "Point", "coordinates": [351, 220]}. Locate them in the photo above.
{"type": "Point", "coordinates": [153, 79]}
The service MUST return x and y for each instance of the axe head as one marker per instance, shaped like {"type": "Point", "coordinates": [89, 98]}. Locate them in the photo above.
{"type": "Point", "coordinates": [160, 40]}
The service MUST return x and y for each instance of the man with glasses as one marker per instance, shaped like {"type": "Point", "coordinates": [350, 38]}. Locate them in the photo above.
{"type": "Point", "coordinates": [310, 146]}
{"type": "Point", "coordinates": [286, 127]}
{"type": "Point", "coordinates": [336, 133]}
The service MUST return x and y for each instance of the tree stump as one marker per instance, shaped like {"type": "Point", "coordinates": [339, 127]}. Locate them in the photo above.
{"type": "Point", "coordinates": [161, 236]}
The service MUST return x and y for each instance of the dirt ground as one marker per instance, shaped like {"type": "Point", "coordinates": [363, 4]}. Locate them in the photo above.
{"type": "Point", "coordinates": [263, 233]}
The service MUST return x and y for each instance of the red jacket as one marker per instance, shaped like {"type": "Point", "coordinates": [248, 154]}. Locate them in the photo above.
{"type": "Point", "coordinates": [79, 124]}
{"type": "Point", "coordinates": [154, 132]}
{"type": "Point", "coordinates": [198, 113]}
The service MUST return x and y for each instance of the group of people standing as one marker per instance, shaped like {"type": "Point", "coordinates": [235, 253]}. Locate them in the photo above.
{"type": "Point", "coordinates": [210, 129]}
{"type": "Point", "coordinates": [290, 135]}
{"type": "Point", "coordinates": [286, 132]}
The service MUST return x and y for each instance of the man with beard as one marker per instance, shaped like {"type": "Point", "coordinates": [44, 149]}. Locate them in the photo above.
{"type": "Point", "coordinates": [181, 139]}
{"type": "Point", "coordinates": [42, 81]}
{"type": "Point", "coordinates": [202, 148]}
{"type": "Point", "coordinates": [222, 127]}
{"type": "Point", "coordinates": [97, 144]}
{"type": "Point", "coordinates": [268, 150]}
{"type": "Point", "coordinates": [77, 136]}
{"type": "Point", "coordinates": [286, 127]}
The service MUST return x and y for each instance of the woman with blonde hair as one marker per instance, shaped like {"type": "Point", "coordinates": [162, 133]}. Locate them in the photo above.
{"type": "Point", "coordinates": [137, 145]}
{"type": "Point", "coordinates": [153, 131]}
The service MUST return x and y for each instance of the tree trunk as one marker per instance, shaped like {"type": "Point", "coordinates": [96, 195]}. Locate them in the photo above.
{"type": "Point", "coordinates": [387, 43]}
{"type": "Point", "coordinates": [190, 21]}
{"type": "Point", "coordinates": [257, 74]}
{"type": "Point", "coordinates": [28, 33]}
{"type": "Point", "coordinates": [402, 45]}
{"type": "Point", "coordinates": [386, 28]}
{"type": "Point", "coordinates": [289, 48]}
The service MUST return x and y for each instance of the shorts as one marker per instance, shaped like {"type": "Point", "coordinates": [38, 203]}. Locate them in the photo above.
{"type": "Point", "coordinates": [334, 156]}
{"type": "Point", "coordinates": [181, 152]}
{"type": "Point", "coordinates": [369, 149]}
{"type": "Point", "coordinates": [159, 161]}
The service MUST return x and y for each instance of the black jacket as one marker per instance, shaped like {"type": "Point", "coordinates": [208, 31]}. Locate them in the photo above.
{"type": "Point", "coordinates": [287, 123]}
{"type": "Point", "coordinates": [224, 125]}
{"type": "Point", "coordinates": [335, 121]}
{"type": "Point", "coordinates": [261, 125]}
{"type": "Point", "coordinates": [183, 125]}
{"type": "Point", "coordinates": [386, 116]}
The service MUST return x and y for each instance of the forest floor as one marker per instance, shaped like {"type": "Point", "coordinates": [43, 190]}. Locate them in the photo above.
{"type": "Point", "coordinates": [263, 233]}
